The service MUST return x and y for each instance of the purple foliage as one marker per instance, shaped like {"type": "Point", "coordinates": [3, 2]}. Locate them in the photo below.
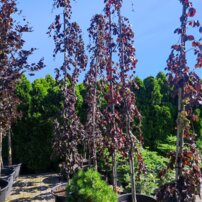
{"type": "Point", "coordinates": [13, 61]}
{"type": "Point", "coordinates": [94, 125]}
{"type": "Point", "coordinates": [69, 132]}
{"type": "Point", "coordinates": [187, 86]}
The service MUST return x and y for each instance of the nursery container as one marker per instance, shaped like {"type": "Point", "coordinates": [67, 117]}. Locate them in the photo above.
{"type": "Point", "coordinates": [16, 168]}
{"type": "Point", "coordinates": [8, 175]}
{"type": "Point", "coordinates": [140, 198]}
{"type": "Point", "coordinates": [3, 190]}
{"type": "Point", "coordinates": [59, 192]}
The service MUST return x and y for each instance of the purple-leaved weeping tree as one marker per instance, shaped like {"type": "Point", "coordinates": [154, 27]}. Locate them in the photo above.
{"type": "Point", "coordinates": [69, 132]}
{"type": "Point", "coordinates": [188, 88]}
{"type": "Point", "coordinates": [94, 125]}
{"type": "Point", "coordinates": [132, 119]}
{"type": "Point", "coordinates": [124, 117]}
{"type": "Point", "coordinates": [114, 138]}
{"type": "Point", "coordinates": [13, 63]}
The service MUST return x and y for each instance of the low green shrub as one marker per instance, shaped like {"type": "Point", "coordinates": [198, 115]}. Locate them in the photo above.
{"type": "Point", "coordinates": [146, 183]}
{"type": "Point", "coordinates": [167, 146]}
{"type": "Point", "coordinates": [89, 187]}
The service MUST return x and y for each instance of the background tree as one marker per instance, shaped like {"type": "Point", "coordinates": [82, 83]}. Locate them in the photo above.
{"type": "Point", "coordinates": [156, 109]}
{"type": "Point", "coordinates": [51, 103]}
{"type": "Point", "coordinates": [33, 133]}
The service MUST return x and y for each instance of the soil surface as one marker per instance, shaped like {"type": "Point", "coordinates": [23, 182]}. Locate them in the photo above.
{"type": "Point", "coordinates": [34, 188]}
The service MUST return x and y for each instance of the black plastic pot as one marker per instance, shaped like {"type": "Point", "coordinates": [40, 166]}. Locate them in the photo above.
{"type": "Point", "coordinates": [59, 192]}
{"type": "Point", "coordinates": [3, 190]}
{"type": "Point", "coordinates": [140, 198]}
{"type": "Point", "coordinates": [8, 175]}
{"type": "Point", "coordinates": [16, 168]}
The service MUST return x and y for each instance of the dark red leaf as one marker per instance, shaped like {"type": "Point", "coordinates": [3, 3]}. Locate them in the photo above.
{"type": "Point", "coordinates": [191, 12]}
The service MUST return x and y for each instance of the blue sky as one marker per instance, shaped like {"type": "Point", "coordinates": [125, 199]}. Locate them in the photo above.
{"type": "Point", "coordinates": [153, 22]}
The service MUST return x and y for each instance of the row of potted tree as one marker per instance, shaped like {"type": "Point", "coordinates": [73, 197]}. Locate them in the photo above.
{"type": "Point", "coordinates": [116, 125]}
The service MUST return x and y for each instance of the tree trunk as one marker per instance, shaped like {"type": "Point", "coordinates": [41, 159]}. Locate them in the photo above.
{"type": "Point", "coordinates": [1, 162]}
{"type": "Point", "coordinates": [114, 170]}
{"type": "Point", "coordinates": [180, 130]}
{"type": "Point", "coordinates": [94, 121]}
{"type": "Point", "coordinates": [131, 157]}
{"type": "Point", "coordinates": [132, 172]}
{"type": "Point", "coordinates": [127, 116]}
{"type": "Point", "coordinates": [181, 107]}
{"type": "Point", "coordinates": [114, 163]}
{"type": "Point", "coordinates": [180, 141]}
{"type": "Point", "coordinates": [10, 161]}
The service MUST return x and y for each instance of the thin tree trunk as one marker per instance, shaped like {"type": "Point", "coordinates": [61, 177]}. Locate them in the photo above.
{"type": "Point", "coordinates": [181, 107]}
{"type": "Point", "coordinates": [94, 121]}
{"type": "Point", "coordinates": [114, 162]}
{"type": "Point", "coordinates": [132, 171]}
{"type": "Point", "coordinates": [127, 118]}
{"type": "Point", "coordinates": [131, 160]}
{"type": "Point", "coordinates": [114, 170]}
{"type": "Point", "coordinates": [180, 130]}
{"type": "Point", "coordinates": [10, 160]}
{"type": "Point", "coordinates": [179, 144]}
{"type": "Point", "coordinates": [1, 162]}
{"type": "Point", "coordinates": [65, 21]}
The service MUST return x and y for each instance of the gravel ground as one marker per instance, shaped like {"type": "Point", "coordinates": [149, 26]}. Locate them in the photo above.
{"type": "Point", "coordinates": [37, 188]}
{"type": "Point", "coordinates": [34, 188]}
{"type": "Point", "coordinates": [198, 199]}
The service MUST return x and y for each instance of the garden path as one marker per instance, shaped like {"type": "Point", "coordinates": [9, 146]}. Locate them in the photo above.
{"type": "Point", "coordinates": [34, 188]}
{"type": "Point", "coordinates": [37, 188]}
{"type": "Point", "coordinates": [199, 199]}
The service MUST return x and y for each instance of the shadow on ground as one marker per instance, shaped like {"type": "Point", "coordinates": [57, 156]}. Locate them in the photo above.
{"type": "Point", "coordinates": [34, 188]}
